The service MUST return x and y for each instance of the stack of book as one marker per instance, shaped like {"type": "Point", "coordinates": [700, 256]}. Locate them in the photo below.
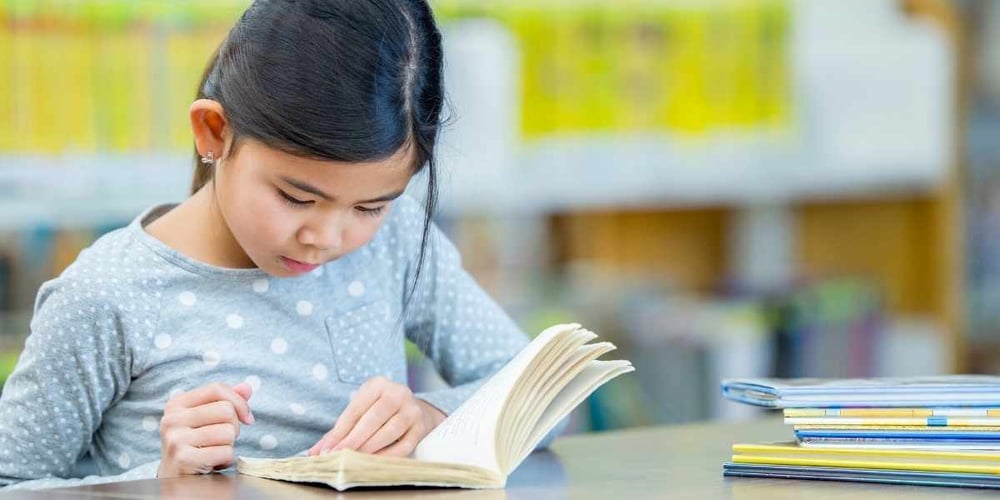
{"type": "Point", "coordinates": [942, 431]}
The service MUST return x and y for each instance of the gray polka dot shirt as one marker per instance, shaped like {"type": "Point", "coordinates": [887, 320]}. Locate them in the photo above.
{"type": "Point", "coordinates": [132, 322]}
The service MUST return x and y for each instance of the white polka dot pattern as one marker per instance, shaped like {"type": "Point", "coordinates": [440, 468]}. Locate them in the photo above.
{"type": "Point", "coordinates": [235, 321]}
{"type": "Point", "coordinates": [211, 358]}
{"type": "Point", "coordinates": [188, 298]}
{"type": "Point", "coordinates": [268, 442]}
{"type": "Point", "coordinates": [150, 423]}
{"type": "Point", "coordinates": [304, 308]}
{"type": "Point", "coordinates": [279, 346]}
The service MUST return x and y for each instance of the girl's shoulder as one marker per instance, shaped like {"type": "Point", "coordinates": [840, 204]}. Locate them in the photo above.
{"type": "Point", "coordinates": [118, 253]}
{"type": "Point", "coordinates": [110, 291]}
{"type": "Point", "coordinates": [115, 270]}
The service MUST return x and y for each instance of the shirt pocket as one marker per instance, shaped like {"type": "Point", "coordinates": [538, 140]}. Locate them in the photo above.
{"type": "Point", "coordinates": [365, 343]}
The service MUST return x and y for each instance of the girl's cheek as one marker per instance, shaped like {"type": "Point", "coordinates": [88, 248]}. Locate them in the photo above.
{"type": "Point", "coordinates": [359, 236]}
{"type": "Point", "coordinates": [351, 240]}
{"type": "Point", "coordinates": [275, 228]}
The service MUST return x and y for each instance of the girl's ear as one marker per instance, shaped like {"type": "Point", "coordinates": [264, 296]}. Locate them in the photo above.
{"type": "Point", "coordinates": [209, 126]}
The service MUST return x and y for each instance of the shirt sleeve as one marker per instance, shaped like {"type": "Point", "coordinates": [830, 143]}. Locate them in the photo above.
{"type": "Point", "coordinates": [460, 329]}
{"type": "Point", "coordinates": [465, 334]}
{"type": "Point", "coordinates": [74, 365]}
{"type": "Point", "coordinates": [145, 471]}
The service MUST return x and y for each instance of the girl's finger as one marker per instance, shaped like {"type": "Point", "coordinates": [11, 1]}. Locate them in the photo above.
{"type": "Point", "coordinates": [405, 446]}
{"type": "Point", "coordinates": [214, 435]}
{"type": "Point", "coordinates": [392, 430]}
{"type": "Point", "coordinates": [376, 416]}
{"type": "Point", "coordinates": [210, 394]}
{"type": "Point", "coordinates": [362, 400]}
{"type": "Point", "coordinates": [212, 413]}
{"type": "Point", "coordinates": [244, 389]}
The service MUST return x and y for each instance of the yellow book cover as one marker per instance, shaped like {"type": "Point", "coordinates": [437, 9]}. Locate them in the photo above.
{"type": "Point", "coordinates": [7, 95]}
{"type": "Point", "coordinates": [987, 462]}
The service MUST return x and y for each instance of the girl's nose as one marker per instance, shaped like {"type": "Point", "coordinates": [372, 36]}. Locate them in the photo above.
{"type": "Point", "coordinates": [324, 235]}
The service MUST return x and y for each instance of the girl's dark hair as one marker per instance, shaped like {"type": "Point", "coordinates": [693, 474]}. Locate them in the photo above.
{"type": "Point", "coordinates": [340, 80]}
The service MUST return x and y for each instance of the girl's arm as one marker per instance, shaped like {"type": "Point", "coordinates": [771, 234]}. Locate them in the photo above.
{"type": "Point", "coordinates": [145, 471]}
{"type": "Point", "coordinates": [459, 328]}
{"type": "Point", "coordinates": [75, 363]}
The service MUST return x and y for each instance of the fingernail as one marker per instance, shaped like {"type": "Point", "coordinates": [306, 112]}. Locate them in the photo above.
{"type": "Point", "coordinates": [250, 418]}
{"type": "Point", "coordinates": [326, 451]}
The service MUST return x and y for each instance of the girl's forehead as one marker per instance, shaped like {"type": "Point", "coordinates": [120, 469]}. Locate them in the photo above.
{"type": "Point", "coordinates": [402, 159]}
{"type": "Point", "coordinates": [340, 179]}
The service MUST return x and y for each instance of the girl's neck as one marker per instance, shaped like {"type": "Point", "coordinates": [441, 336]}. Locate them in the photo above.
{"type": "Point", "coordinates": [197, 229]}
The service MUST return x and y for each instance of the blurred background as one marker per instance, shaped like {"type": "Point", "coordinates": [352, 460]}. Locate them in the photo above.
{"type": "Point", "coordinates": [724, 188]}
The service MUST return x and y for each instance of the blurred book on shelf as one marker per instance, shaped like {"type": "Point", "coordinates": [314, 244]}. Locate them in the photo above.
{"type": "Point", "coordinates": [829, 329]}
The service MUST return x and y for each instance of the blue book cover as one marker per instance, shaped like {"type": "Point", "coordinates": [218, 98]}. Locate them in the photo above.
{"type": "Point", "coordinates": [932, 438]}
{"type": "Point", "coordinates": [885, 476]}
{"type": "Point", "coordinates": [931, 433]}
{"type": "Point", "coordinates": [936, 391]}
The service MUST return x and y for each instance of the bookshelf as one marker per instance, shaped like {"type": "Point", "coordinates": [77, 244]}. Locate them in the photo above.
{"type": "Point", "coordinates": [87, 191]}
{"type": "Point", "coordinates": [905, 235]}
{"type": "Point", "coordinates": [847, 166]}
{"type": "Point", "coordinates": [821, 142]}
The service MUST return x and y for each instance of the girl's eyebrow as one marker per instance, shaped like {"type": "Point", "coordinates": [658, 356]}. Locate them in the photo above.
{"type": "Point", "coordinates": [309, 188]}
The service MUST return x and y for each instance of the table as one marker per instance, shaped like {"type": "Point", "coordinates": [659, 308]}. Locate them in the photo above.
{"type": "Point", "coordinates": [683, 461]}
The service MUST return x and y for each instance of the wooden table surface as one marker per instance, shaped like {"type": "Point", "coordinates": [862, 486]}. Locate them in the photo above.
{"type": "Point", "coordinates": [661, 462]}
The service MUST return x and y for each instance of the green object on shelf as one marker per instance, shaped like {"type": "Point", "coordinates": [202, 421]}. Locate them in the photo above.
{"type": "Point", "coordinates": [547, 316]}
{"type": "Point", "coordinates": [413, 352]}
{"type": "Point", "coordinates": [8, 360]}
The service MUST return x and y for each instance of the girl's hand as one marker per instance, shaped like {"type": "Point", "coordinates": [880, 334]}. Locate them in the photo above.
{"type": "Point", "coordinates": [199, 428]}
{"type": "Point", "coordinates": [383, 418]}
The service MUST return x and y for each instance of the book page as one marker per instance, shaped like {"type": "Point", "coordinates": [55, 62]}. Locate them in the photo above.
{"type": "Point", "coordinates": [529, 409]}
{"type": "Point", "coordinates": [548, 368]}
{"type": "Point", "coordinates": [468, 436]}
{"type": "Point", "coordinates": [596, 374]}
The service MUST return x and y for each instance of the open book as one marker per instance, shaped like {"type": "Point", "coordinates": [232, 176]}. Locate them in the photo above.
{"type": "Point", "coordinates": [486, 438]}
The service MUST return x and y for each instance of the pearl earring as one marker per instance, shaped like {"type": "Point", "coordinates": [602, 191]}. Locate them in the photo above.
{"type": "Point", "coordinates": [208, 159]}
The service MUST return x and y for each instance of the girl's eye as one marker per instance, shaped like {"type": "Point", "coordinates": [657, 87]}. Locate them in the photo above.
{"type": "Point", "coordinates": [294, 202]}
{"type": "Point", "coordinates": [373, 212]}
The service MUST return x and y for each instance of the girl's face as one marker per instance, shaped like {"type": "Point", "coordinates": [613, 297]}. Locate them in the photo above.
{"type": "Point", "coordinates": [291, 214]}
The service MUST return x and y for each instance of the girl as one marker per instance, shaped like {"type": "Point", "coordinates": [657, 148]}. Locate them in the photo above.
{"type": "Point", "coordinates": [260, 316]}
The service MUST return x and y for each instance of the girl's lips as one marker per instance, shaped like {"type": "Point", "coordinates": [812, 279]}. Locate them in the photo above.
{"type": "Point", "coordinates": [296, 266]}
